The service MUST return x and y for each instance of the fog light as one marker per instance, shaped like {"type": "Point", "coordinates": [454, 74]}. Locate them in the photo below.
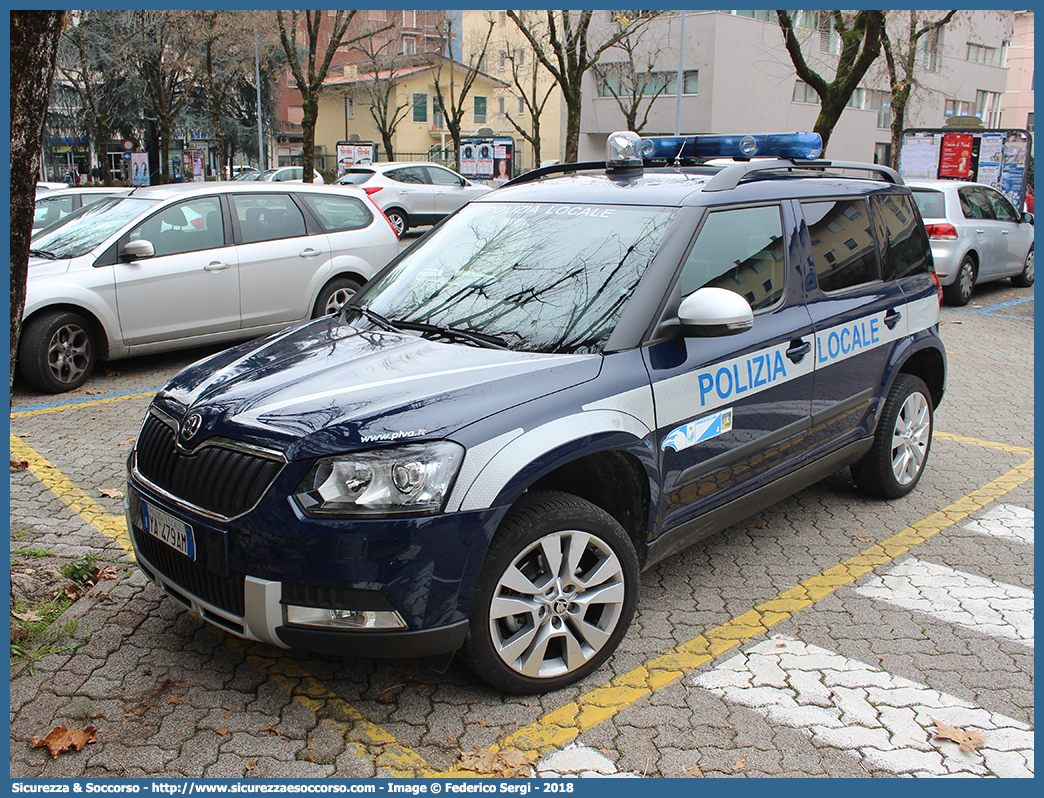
{"type": "Point", "coordinates": [344, 619]}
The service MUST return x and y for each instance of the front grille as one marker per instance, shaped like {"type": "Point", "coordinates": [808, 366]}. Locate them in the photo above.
{"type": "Point", "coordinates": [225, 592]}
{"type": "Point", "coordinates": [217, 478]}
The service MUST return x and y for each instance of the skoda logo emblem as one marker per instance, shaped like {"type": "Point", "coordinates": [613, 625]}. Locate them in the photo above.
{"type": "Point", "coordinates": [191, 426]}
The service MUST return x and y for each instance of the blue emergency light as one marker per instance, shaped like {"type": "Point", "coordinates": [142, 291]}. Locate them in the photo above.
{"type": "Point", "coordinates": [802, 146]}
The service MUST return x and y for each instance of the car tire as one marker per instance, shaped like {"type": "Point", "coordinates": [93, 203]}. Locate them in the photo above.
{"type": "Point", "coordinates": [57, 351]}
{"type": "Point", "coordinates": [334, 296]}
{"type": "Point", "coordinates": [960, 291]}
{"type": "Point", "coordinates": [398, 220]}
{"type": "Point", "coordinates": [1025, 280]}
{"type": "Point", "coordinates": [895, 462]}
{"type": "Point", "coordinates": [535, 627]}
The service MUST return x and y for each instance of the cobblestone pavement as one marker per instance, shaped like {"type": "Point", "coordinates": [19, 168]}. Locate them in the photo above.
{"type": "Point", "coordinates": [828, 636]}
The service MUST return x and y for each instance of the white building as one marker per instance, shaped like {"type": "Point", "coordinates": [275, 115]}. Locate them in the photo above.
{"type": "Point", "coordinates": [738, 78]}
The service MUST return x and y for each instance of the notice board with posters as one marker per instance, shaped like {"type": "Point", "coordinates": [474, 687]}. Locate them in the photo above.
{"type": "Point", "coordinates": [996, 158]}
{"type": "Point", "coordinates": [489, 161]}
{"type": "Point", "coordinates": [353, 153]}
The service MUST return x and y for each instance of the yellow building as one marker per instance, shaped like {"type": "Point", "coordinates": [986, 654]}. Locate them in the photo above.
{"type": "Point", "coordinates": [405, 96]}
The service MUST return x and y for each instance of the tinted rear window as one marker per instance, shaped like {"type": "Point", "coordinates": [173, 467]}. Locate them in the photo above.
{"type": "Point", "coordinates": [354, 177]}
{"type": "Point", "coordinates": [930, 203]}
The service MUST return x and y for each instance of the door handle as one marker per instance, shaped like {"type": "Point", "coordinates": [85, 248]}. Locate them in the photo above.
{"type": "Point", "coordinates": [798, 349]}
{"type": "Point", "coordinates": [892, 318]}
{"type": "Point", "coordinates": [217, 266]}
{"type": "Point", "coordinates": [981, 232]}
{"type": "Point", "coordinates": [1005, 232]}
{"type": "Point", "coordinates": [310, 253]}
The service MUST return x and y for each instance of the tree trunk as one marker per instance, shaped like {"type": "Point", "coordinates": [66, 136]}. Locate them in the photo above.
{"type": "Point", "coordinates": [34, 46]}
{"type": "Point", "coordinates": [310, 107]}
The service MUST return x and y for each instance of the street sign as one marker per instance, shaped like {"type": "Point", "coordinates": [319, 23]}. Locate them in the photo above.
{"type": "Point", "coordinates": [128, 145]}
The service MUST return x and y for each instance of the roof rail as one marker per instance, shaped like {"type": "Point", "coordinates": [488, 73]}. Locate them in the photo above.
{"type": "Point", "coordinates": [730, 176]}
{"type": "Point", "coordinates": [554, 169]}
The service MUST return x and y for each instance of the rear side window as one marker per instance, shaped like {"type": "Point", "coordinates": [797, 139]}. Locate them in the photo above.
{"type": "Point", "coordinates": [338, 214]}
{"type": "Point", "coordinates": [842, 243]}
{"type": "Point", "coordinates": [740, 249]}
{"type": "Point", "coordinates": [904, 243]}
{"type": "Point", "coordinates": [355, 176]}
{"type": "Point", "coordinates": [974, 204]}
{"type": "Point", "coordinates": [408, 174]}
{"type": "Point", "coordinates": [267, 217]}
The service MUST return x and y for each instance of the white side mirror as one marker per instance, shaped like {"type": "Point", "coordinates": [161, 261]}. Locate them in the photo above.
{"type": "Point", "coordinates": [715, 311]}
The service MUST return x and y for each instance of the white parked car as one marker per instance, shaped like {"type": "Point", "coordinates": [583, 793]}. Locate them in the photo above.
{"type": "Point", "coordinates": [188, 264]}
{"type": "Point", "coordinates": [413, 194]}
{"type": "Point", "coordinates": [54, 205]}
{"type": "Point", "coordinates": [288, 174]}
{"type": "Point", "coordinates": [976, 236]}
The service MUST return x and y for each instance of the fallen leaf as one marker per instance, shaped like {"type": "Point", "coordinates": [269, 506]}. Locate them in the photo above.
{"type": "Point", "coordinates": [307, 758]}
{"type": "Point", "coordinates": [228, 714]}
{"type": "Point", "coordinates": [124, 443]}
{"type": "Point", "coordinates": [501, 764]}
{"type": "Point", "coordinates": [250, 764]}
{"type": "Point", "coordinates": [107, 572]}
{"type": "Point", "coordinates": [25, 434]}
{"type": "Point", "coordinates": [740, 764]}
{"type": "Point", "coordinates": [222, 731]}
{"type": "Point", "coordinates": [20, 465]}
{"type": "Point", "coordinates": [694, 771]}
{"type": "Point", "coordinates": [967, 740]}
{"type": "Point", "coordinates": [27, 617]}
{"type": "Point", "coordinates": [273, 729]}
{"type": "Point", "coordinates": [388, 695]}
{"type": "Point", "coordinates": [173, 699]}
{"type": "Point", "coordinates": [111, 373]}
{"type": "Point", "coordinates": [861, 538]}
{"type": "Point", "coordinates": [111, 493]}
{"type": "Point", "coordinates": [60, 739]}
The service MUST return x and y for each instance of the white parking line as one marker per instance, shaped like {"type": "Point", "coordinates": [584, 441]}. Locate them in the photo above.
{"type": "Point", "coordinates": [993, 608]}
{"type": "Point", "coordinates": [886, 720]}
{"type": "Point", "coordinates": [1005, 521]}
{"type": "Point", "coordinates": [579, 761]}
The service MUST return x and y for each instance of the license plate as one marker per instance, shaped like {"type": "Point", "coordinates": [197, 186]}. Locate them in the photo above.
{"type": "Point", "coordinates": [172, 531]}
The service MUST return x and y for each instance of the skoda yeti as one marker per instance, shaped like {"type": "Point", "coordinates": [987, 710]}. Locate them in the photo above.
{"type": "Point", "coordinates": [568, 380]}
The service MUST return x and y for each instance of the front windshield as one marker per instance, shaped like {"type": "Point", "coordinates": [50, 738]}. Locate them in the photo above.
{"type": "Point", "coordinates": [82, 231]}
{"type": "Point", "coordinates": [541, 277]}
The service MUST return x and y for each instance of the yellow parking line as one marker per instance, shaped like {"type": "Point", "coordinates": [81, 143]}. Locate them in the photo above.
{"type": "Point", "coordinates": [113, 526]}
{"type": "Point", "coordinates": [947, 436]}
{"type": "Point", "coordinates": [565, 724]}
{"type": "Point", "coordinates": [79, 405]}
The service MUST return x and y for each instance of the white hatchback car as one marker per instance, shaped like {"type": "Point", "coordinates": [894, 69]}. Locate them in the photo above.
{"type": "Point", "coordinates": [413, 194]}
{"type": "Point", "coordinates": [976, 236]}
{"type": "Point", "coordinates": [288, 174]}
{"type": "Point", "coordinates": [188, 264]}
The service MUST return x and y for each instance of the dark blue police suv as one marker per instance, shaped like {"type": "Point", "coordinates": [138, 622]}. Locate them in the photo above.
{"type": "Point", "coordinates": [570, 379]}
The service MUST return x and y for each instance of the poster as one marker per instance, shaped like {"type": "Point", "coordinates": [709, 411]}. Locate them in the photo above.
{"type": "Point", "coordinates": [991, 150]}
{"type": "Point", "coordinates": [920, 154]}
{"type": "Point", "coordinates": [484, 160]}
{"type": "Point", "coordinates": [488, 160]}
{"type": "Point", "coordinates": [956, 157]}
{"type": "Point", "coordinates": [353, 153]}
{"type": "Point", "coordinates": [1013, 168]}
{"type": "Point", "coordinates": [197, 165]}
{"type": "Point", "coordinates": [139, 168]}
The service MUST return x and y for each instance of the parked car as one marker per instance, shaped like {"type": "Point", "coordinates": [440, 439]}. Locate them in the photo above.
{"type": "Point", "coordinates": [188, 264]}
{"type": "Point", "coordinates": [976, 235]}
{"type": "Point", "coordinates": [252, 175]}
{"type": "Point", "coordinates": [288, 174]}
{"type": "Point", "coordinates": [56, 204]}
{"type": "Point", "coordinates": [42, 186]}
{"type": "Point", "coordinates": [572, 378]}
{"type": "Point", "coordinates": [413, 194]}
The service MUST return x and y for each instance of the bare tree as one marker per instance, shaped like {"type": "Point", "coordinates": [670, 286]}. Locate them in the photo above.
{"type": "Point", "coordinates": [633, 80]}
{"type": "Point", "coordinates": [567, 55]}
{"type": "Point", "coordinates": [309, 68]}
{"type": "Point", "coordinates": [533, 94]}
{"type": "Point", "coordinates": [88, 60]}
{"type": "Point", "coordinates": [33, 47]}
{"type": "Point", "coordinates": [902, 64]}
{"type": "Point", "coordinates": [860, 44]}
{"type": "Point", "coordinates": [452, 89]}
{"type": "Point", "coordinates": [381, 59]}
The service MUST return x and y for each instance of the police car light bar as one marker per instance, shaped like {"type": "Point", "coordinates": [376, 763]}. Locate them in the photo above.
{"type": "Point", "coordinates": [802, 146]}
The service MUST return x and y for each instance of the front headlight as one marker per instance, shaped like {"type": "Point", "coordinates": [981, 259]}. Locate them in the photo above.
{"type": "Point", "coordinates": [415, 478]}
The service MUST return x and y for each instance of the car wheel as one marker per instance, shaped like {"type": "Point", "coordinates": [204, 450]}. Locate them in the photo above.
{"type": "Point", "coordinates": [960, 291]}
{"type": "Point", "coordinates": [902, 441]}
{"type": "Point", "coordinates": [398, 220]}
{"type": "Point", "coordinates": [334, 296]}
{"type": "Point", "coordinates": [57, 351]}
{"type": "Point", "coordinates": [556, 595]}
{"type": "Point", "coordinates": [1025, 280]}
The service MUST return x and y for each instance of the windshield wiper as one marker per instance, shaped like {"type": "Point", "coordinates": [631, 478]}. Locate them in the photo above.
{"type": "Point", "coordinates": [479, 339]}
{"type": "Point", "coordinates": [40, 253]}
{"type": "Point", "coordinates": [375, 317]}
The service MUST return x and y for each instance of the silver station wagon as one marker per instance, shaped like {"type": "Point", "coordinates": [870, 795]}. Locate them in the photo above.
{"type": "Point", "coordinates": [189, 264]}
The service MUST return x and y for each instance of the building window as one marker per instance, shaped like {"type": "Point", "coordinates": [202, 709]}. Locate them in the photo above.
{"type": "Point", "coordinates": [883, 154]}
{"type": "Point", "coordinates": [377, 16]}
{"type": "Point", "coordinates": [1029, 121]}
{"type": "Point", "coordinates": [349, 107]}
{"type": "Point", "coordinates": [764, 16]}
{"type": "Point", "coordinates": [881, 101]}
{"type": "Point", "coordinates": [957, 108]}
{"type": "Point", "coordinates": [420, 107]}
{"type": "Point", "coordinates": [612, 81]}
{"type": "Point", "coordinates": [480, 110]}
{"type": "Point", "coordinates": [520, 57]}
{"type": "Point", "coordinates": [981, 54]}
{"type": "Point", "coordinates": [803, 93]}
{"type": "Point", "coordinates": [437, 118]}
{"type": "Point", "coordinates": [929, 50]}
{"type": "Point", "coordinates": [502, 61]}
{"type": "Point", "coordinates": [501, 106]}
{"type": "Point", "coordinates": [987, 107]}
{"type": "Point", "coordinates": [522, 111]}
{"type": "Point", "coordinates": [409, 45]}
